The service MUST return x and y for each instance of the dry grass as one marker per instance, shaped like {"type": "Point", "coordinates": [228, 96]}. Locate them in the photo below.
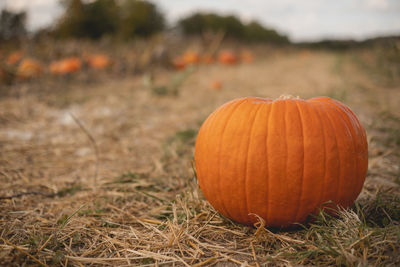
{"type": "Point", "coordinates": [135, 201]}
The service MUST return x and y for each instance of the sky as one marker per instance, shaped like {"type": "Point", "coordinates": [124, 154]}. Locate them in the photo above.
{"type": "Point", "coordinates": [306, 20]}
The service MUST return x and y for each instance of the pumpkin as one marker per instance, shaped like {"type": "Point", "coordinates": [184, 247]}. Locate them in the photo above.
{"type": "Point", "coordinates": [29, 68]}
{"type": "Point", "coordinates": [227, 57]}
{"type": "Point", "coordinates": [14, 57]}
{"type": "Point", "coordinates": [99, 61]}
{"type": "Point", "coordinates": [66, 66]}
{"type": "Point", "coordinates": [281, 160]}
{"type": "Point", "coordinates": [216, 85]}
{"type": "Point", "coordinates": [190, 57]}
{"type": "Point", "coordinates": [179, 63]}
{"type": "Point", "coordinates": [246, 56]}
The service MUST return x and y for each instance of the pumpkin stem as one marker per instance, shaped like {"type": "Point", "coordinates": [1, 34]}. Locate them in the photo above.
{"type": "Point", "coordinates": [288, 97]}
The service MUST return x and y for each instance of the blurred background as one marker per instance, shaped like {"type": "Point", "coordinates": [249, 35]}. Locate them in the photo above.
{"type": "Point", "coordinates": [308, 21]}
{"type": "Point", "coordinates": [48, 38]}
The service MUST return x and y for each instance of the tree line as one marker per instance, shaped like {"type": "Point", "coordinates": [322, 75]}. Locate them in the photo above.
{"type": "Point", "coordinates": [127, 19]}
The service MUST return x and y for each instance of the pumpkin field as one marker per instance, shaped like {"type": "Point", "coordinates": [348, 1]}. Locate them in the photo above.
{"type": "Point", "coordinates": [97, 146]}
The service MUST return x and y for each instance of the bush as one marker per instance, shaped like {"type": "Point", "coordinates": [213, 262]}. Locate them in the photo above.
{"type": "Point", "coordinates": [109, 17]}
{"type": "Point", "coordinates": [254, 31]}
{"type": "Point", "coordinates": [92, 20]}
{"type": "Point", "coordinates": [140, 18]}
{"type": "Point", "coordinates": [231, 25]}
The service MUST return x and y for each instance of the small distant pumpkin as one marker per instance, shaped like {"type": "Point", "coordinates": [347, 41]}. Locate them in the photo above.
{"type": "Point", "coordinates": [281, 160]}
{"type": "Point", "coordinates": [216, 85]}
{"type": "Point", "coordinates": [227, 57]}
{"type": "Point", "coordinates": [191, 57]}
{"type": "Point", "coordinates": [66, 66]}
{"type": "Point", "coordinates": [179, 63]}
{"type": "Point", "coordinates": [246, 56]}
{"type": "Point", "coordinates": [98, 61]}
{"type": "Point", "coordinates": [14, 57]}
{"type": "Point", "coordinates": [29, 68]}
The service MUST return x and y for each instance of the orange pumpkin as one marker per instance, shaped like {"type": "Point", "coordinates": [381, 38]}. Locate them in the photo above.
{"type": "Point", "coordinates": [179, 63]}
{"type": "Point", "coordinates": [14, 57]}
{"type": "Point", "coordinates": [191, 57]}
{"type": "Point", "coordinates": [66, 66]}
{"type": "Point", "coordinates": [227, 57]}
{"type": "Point", "coordinates": [280, 159]}
{"type": "Point", "coordinates": [246, 56]}
{"type": "Point", "coordinates": [29, 68]}
{"type": "Point", "coordinates": [216, 85]}
{"type": "Point", "coordinates": [99, 61]}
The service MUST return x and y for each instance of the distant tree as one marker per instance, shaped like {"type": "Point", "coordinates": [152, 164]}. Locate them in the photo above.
{"type": "Point", "coordinates": [234, 27]}
{"type": "Point", "coordinates": [256, 32]}
{"type": "Point", "coordinates": [231, 25]}
{"type": "Point", "coordinates": [101, 17]}
{"type": "Point", "coordinates": [72, 20]}
{"type": "Point", "coordinates": [140, 18]}
{"type": "Point", "coordinates": [12, 25]}
{"type": "Point", "coordinates": [201, 22]}
{"type": "Point", "coordinates": [193, 24]}
{"type": "Point", "coordinates": [93, 19]}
